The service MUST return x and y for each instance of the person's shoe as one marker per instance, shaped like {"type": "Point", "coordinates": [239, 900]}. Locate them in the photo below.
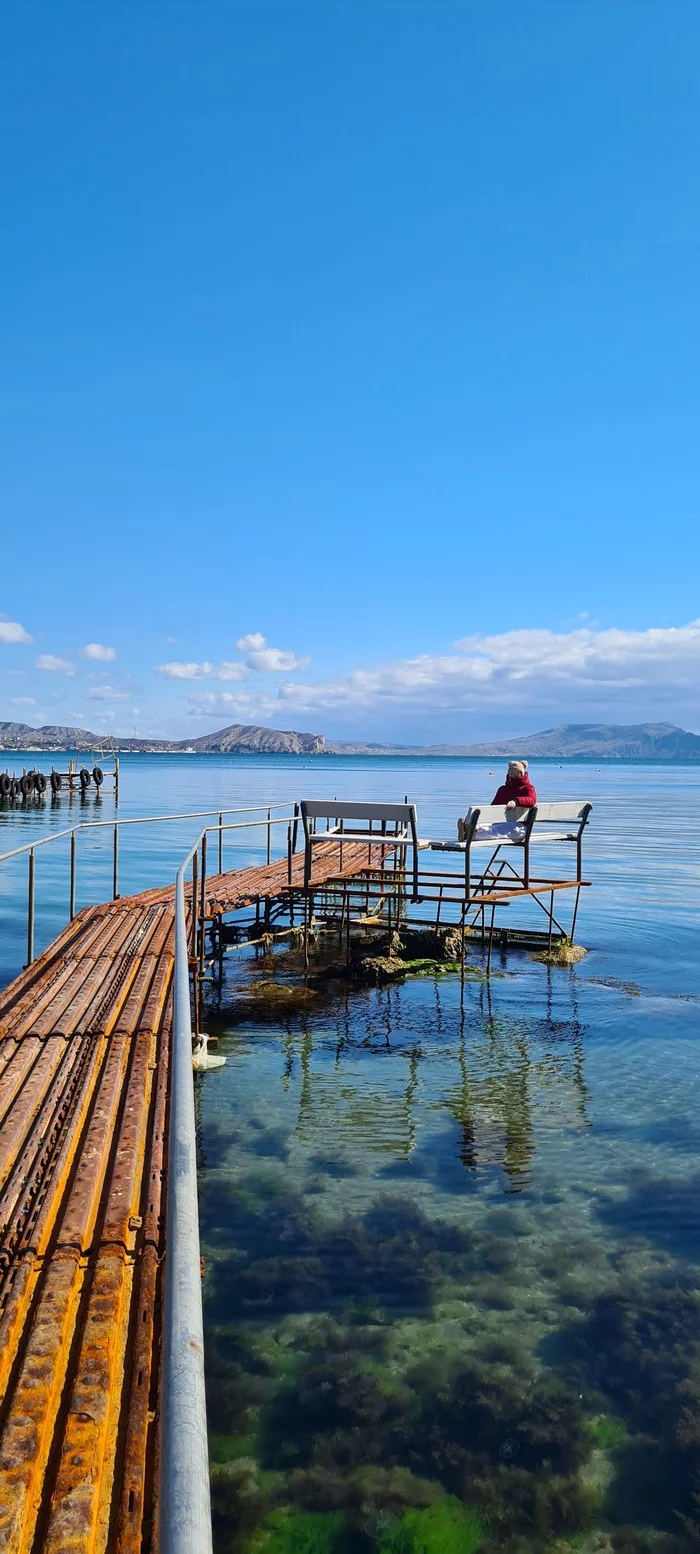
{"type": "Point", "coordinates": [461, 831]}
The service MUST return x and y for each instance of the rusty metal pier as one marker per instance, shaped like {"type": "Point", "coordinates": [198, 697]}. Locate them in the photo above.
{"type": "Point", "coordinates": [86, 1042]}
{"type": "Point", "coordinates": [102, 1427]}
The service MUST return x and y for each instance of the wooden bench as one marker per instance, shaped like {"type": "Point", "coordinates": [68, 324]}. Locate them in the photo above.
{"type": "Point", "coordinates": [385, 825]}
{"type": "Point", "coordinates": [521, 827]}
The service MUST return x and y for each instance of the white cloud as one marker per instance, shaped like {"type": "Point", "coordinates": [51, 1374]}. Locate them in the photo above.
{"type": "Point", "coordinates": [237, 705]}
{"type": "Point", "coordinates": [185, 671]}
{"type": "Point", "coordinates": [606, 672]}
{"type": "Point", "coordinates": [96, 650]}
{"type": "Point", "coordinates": [107, 693]}
{"type": "Point", "coordinates": [252, 643]}
{"type": "Point", "coordinates": [11, 631]}
{"type": "Point", "coordinates": [228, 670]}
{"type": "Point", "coordinates": [269, 660]}
{"type": "Point", "coordinates": [57, 665]}
{"type": "Point", "coordinates": [234, 670]}
{"type": "Point", "coordinates": [23, 701]}
{"type": "Point", "coordinates": [275, 660]}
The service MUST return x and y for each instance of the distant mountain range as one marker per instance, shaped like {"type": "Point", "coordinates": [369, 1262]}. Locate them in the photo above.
{"type": "Point", "coordinates": [594, 741]}
{"type": "Point", "coordinates": [244, 738]}
{"type": "Point", "coordinates": [597, 741]}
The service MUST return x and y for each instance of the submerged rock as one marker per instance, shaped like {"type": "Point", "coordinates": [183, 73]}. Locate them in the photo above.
{"type": "Point", "coordinates": [564, 953]}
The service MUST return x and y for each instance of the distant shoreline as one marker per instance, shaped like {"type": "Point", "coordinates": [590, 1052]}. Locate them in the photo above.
{"type": "Point", "coordinates": [318, 758]}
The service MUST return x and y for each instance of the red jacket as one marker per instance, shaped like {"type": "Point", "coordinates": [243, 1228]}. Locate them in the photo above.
{"type": "Point", "coordinates": [520, 790]}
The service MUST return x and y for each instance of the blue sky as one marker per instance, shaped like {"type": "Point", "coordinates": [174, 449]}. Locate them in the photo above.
{"type": "Point", "coordinates": [350, 364]}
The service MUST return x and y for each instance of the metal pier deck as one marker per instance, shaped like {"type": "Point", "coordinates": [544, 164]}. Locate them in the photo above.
{"type": "Point", "coordinates": [85, 1039]}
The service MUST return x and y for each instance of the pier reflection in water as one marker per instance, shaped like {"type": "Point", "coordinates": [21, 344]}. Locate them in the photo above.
{"type": "Point", "coordinates": [442, 1313]}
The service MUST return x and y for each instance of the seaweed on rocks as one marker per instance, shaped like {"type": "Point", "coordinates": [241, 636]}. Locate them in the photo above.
{"type": "Point", "coordinates": [509, 1442]}
{"type": "Point", "coordinates": [238, 1379]}
{"type": "Point", "coordinates": [637, 1357]}
{"type": "Point", "coordinates": [448, 1527]}
{"type": "Point", "coordinates": [238, 1505]}
{"type": "Point", "coordinates": [303, 1532]}
{"type": "Point", "coordinates": [286, 1259]}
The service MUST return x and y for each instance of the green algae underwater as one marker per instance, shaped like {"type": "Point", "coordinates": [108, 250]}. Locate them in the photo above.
{"type": "Point", "coordinates": [451, 1279]}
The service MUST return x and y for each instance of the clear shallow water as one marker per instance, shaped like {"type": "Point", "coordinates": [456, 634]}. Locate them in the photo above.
{"type": "Point", "coordinates": [452, 1260]}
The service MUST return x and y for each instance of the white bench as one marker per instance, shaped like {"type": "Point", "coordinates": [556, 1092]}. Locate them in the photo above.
{"type": "Point", "coordinates": [492, 825]}
{"type": "Point", "coordinates": [386, 825]}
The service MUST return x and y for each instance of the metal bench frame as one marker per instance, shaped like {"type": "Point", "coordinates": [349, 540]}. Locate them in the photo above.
{"type": "Point", "coordinates": [397, 828]}
{"type": "Point", "coordinates": [561, 822]}
{"type": "Point", "coordinates": [539, 822]}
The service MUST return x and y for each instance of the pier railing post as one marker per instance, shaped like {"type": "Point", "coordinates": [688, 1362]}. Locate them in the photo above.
{"type": "Point", "coordinates": [71, 902]}
{"type": "Point", "coordinates": [203, 904]}
{"type": "Point", "coordinates": [115, 864]}
{"type": "Point", "coordinates": [221, 843]}
{"type": "Point", "coordinates": [30, 910]}
{"type": "Point", "coordinates": [269, 813]}
{"type": "Point", "coordinates": [195, 875]}
{"type": "Point", "coordinates": [184, 1501]}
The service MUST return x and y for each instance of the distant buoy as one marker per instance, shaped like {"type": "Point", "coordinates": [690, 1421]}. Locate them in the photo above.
{"type": "Point", "coordinates": [202, 1057]}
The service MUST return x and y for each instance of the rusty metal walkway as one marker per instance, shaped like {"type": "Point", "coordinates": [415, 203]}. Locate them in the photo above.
{"type": "Point", "coordinates": [85, 1036]}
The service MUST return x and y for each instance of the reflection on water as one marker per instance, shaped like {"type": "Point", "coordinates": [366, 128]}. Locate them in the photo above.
{"type": "Point", "coordinates": [452, 1288]}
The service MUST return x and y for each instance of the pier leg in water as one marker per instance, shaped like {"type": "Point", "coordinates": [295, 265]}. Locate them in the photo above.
{"type": "Point", "coordinates": [488, 959]}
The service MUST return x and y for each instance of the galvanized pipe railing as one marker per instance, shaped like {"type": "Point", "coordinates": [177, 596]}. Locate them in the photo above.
{"type": "Point", "coordinates": [136, 820]}
{"type": "Point", "coordinates": [185, 1510]}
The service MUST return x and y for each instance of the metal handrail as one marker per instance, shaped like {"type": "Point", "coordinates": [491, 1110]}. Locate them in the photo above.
{"type": "Point", "coordinates": [137, 820]}
{"type": "Point", "coordinates": [184, 1501]}
{"type": "Point", "coordinates": [143, 820]}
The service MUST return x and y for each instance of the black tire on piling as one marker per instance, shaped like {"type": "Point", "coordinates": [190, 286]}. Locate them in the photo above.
{"type": "Point", "coordinates": [14, 788]}
{"type": "Point", "coordinates": [98, 776]}
{"type": "Point", "coordinates": [84, 778]}
{"type": "Point", "coordinates": [56, 781]}
{"type": "Point", "coordinates": [26, 784]}
{"type": "Point", "coordinates": [39, 782]}
{"type": "Point", "coordinates": [5, 785]}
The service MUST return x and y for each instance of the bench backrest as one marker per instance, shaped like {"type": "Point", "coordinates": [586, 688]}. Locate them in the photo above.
{"type": "Point", "coordinates": [335, 809]}
{"type": "Point", "coordinates": [395, 820]}
{"type": "Point", "coordinates": [562, 814]}
{"type": "Point", "coordinates": [548, 814]}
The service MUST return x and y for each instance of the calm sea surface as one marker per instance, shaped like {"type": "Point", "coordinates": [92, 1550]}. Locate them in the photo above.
{"type": "Point", "coordinates": [452, 1284]}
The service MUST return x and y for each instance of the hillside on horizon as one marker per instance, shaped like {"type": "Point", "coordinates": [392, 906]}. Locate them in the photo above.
{"type": "Point", "coordinates": [566, 741]}
{"type": "Point", "coordinates": [248, 738]}
{"type": "Point", "coordinates": [601, 741]}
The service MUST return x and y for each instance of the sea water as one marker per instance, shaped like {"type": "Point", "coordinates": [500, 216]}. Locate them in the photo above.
{"type": "Point", "coordinates": [452, 1268]}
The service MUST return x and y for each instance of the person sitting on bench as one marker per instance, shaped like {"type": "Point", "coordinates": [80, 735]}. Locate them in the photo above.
{"type": "Point", "coordinates": [517, 792]}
